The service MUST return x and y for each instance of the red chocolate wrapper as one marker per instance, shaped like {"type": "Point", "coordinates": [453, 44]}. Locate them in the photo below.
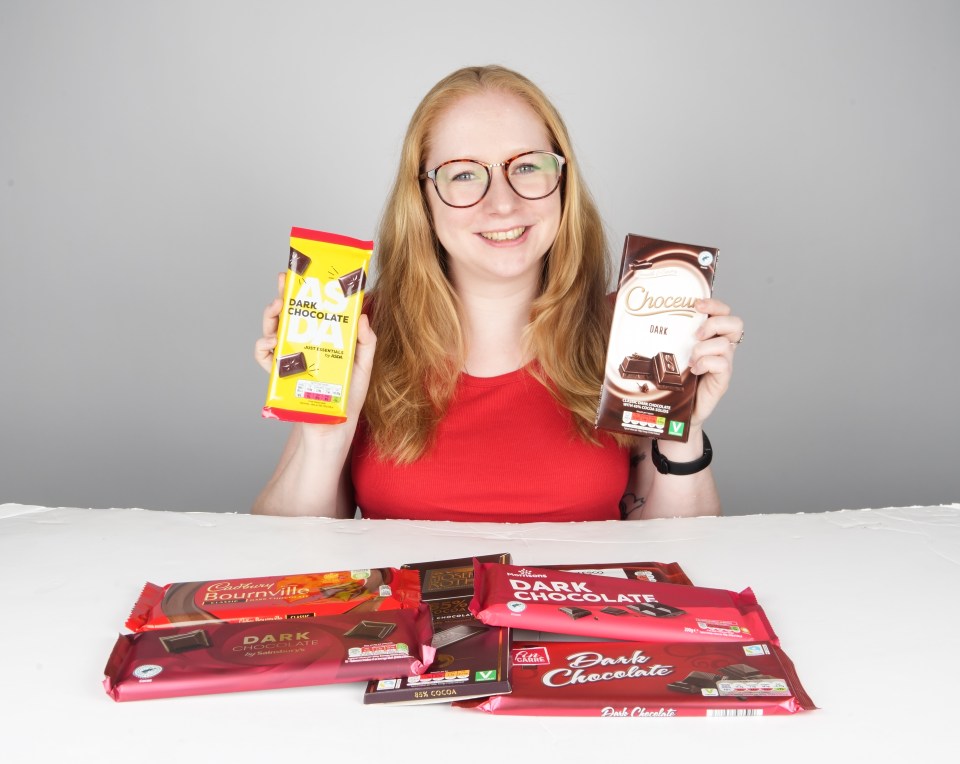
{"type": "Point", "coordinates": [541, 599]}
{"type": "Point", "coordinates": [234, 657]}
{"type": "Point", "coordinates": [641, 679]}
{"type": "Point", "coordinates": [305, 595]}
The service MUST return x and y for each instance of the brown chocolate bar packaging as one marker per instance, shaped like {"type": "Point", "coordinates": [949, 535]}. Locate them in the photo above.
{"type": "Point", "coordinates": [472, 659]}
{"type": "Point", "coordinates": [648, 388]}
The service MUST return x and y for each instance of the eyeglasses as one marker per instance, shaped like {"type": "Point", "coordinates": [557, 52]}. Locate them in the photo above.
{"type": "Point", "coordinates": [464, 182]}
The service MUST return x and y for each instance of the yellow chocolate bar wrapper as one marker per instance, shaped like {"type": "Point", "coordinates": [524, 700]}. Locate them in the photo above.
{"type": "Point", "coordinates": [317, 336]}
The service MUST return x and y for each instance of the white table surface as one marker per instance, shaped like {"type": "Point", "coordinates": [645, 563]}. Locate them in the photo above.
{"type": "Point", "coordinates": [865, 602]}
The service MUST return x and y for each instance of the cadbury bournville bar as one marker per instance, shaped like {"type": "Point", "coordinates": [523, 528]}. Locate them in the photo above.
{"type": "Point", "coordinates": [235, 657]}
{"type": "Point", "coordinates": [303, 595]}
{"type": "Point", "coordinates": [472, 658]}
{"type": "Point", "coordinates": [649, 680]}
{"type": "Point", "coordinates": [648, 388]}
{"type": "Point", "coordinates": [558, 602]}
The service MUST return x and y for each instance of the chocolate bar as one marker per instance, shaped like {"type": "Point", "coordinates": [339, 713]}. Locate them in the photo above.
{"type": "Point", "coordinates": [739, 671]}
{"type": "Point", "coordinates": [655, 320]}
{"type": "Point", "coordinates": [541, 599]}
{"type": "Point", "coordinates": [264, 655]}
{"type": "Point", "coordinates": [181, 643]}
{"type": "Point", "coordinates": [456, 634]}
{"type": "Point", "coordinates": [655, 609]}
{"type": "Point", "coordinates": [353, 282]}
{"type": "Point", "coordinates": [370, 630]}
{"type": "Point", "coordinates": [295, 363]}
{"type": "Point", "coordinates": [641, 680]}
{"type": "Point", "coordinates": [636, 366]}
{"type": "Point", "coordinates": [613, 611]}
{"type": "Point", "coordinates": [299, 262]}
{"type": "Point", "coordinates": [667, 371]}
{"type": "Point", "coordinates": [264, 598]}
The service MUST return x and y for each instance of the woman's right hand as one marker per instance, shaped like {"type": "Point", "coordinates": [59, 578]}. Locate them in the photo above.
{"type": "Point", "coordinates": [265, 347]}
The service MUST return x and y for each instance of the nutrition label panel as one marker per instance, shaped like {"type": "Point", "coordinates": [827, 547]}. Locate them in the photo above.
{"type": "Point", "coordinates": [319, 391]}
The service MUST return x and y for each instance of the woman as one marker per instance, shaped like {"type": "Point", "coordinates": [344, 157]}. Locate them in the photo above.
{"type": "Point", "coordinates": [477, 377]}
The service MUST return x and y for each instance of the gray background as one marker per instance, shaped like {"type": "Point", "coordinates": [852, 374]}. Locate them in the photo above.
{"type": "Point", "coordinates": [153, 157]}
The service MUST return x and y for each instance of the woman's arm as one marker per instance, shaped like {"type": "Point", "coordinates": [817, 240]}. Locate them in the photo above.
{"type": "Point", "coordinates": [313, 474]}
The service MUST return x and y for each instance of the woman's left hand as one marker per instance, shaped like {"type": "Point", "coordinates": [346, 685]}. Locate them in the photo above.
{"type": "Point", "coordinates": [712, 357]}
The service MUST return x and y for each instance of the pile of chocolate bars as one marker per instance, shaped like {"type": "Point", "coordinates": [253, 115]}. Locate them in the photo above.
{"type": "Point", "coordinates": [614, 639]}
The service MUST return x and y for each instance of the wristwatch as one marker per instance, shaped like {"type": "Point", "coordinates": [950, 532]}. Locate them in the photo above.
{"type": "Point", "coordinates": [666, 467]}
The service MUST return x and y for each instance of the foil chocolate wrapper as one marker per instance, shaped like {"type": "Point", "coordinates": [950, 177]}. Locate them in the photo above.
{"type": "Point", "coordinates": [649, 680]}
{"type": "Point", "coordinates": [300, 595]}
{"type": "Point", "coordinates": [559, 602]}
{"type": "Point", "coordinates": [220, 657]}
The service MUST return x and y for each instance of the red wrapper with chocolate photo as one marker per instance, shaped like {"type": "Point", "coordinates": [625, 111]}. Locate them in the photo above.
{"type": "Point", "coordinates": [559, 602]}
{"type": "Point", "coordinates": [219, 657]}
{"type": "Point", "coordinates": [647, 680]}
{"type": "Point", "coordinates": [302, 595]}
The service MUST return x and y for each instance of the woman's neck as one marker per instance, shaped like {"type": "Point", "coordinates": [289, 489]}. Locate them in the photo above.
{"type": "Point", "coordinates": [493, 325]}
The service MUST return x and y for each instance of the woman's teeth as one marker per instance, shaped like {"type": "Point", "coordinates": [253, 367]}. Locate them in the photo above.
{"type": "Point", "coordinates": [514, 233]}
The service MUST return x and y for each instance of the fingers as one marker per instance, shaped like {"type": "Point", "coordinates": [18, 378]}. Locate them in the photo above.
{"type": "Point", "coordinates": [713, 356]}
{"type": "Point", "coordinates": [362, 366]}
{"type": "Point", "coordinates": [263, 352]}
{"type": "Point", "coordinates": [719, 323]}
{"type": "Point", "coordinates": [263, 348]}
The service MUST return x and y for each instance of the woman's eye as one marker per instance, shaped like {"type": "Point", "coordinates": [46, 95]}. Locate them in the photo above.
{"type": "Point", "coordinates": [466, 175]}
{"type": "Point", "coordinates": [525, 169]}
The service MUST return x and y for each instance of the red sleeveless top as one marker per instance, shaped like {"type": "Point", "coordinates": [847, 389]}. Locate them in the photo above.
{"type": "Point", "coordinates": [506, 451]}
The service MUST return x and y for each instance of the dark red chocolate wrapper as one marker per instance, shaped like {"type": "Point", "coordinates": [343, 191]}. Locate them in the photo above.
{"type": "Point", "coordinates": [220, 657]}
{"type": "Point", "coordinates": [643, 680]}
{"type": "Point", "coordinates": [553, 601]}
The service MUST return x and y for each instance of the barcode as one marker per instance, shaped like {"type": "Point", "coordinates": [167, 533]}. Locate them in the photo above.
{"type": "Point", "coordinates": [734, 712]}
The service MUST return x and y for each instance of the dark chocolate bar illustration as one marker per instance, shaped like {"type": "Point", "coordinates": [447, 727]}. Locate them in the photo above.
{"type": "Point", "coordinates": [371, 630]}
{"type": "Point", "coordinates": [456, 634]}
{"type": "Point", "coordinates": [636, 366]}
{"type": "Point", "coordinates": [667, 371]}
{"type": "Point", "coordinates": [288, 365]}
{"type": "Point", "coordinates": [299, 262]}
{"type": "Point", "coordinates": [694, 682]}
{"type": "Point", "coordinates": [181, 643]}
{"type": "Point", "coordinates": [575, 612]}
{"type": "Point", "coordinates": [655, 609]}
{"type": "Point", "coordinates": [613, 610]}
{"type": "Point", "coordinates": [353, 282]}
{"type": "Point", "coordinates": [739, 671]}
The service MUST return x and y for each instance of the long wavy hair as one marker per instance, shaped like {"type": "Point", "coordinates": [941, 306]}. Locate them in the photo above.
{"type": "Point", "coordinates": [420, 343]}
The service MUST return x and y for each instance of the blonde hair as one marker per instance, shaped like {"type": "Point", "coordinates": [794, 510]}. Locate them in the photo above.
{"type": "Point", "coordinates": [420, 344]}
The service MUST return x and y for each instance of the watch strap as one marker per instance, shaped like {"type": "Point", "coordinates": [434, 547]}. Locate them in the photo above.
{"type": "Point", "coordinates": [666, 467]}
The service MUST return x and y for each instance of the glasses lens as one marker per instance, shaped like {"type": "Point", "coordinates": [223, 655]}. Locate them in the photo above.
{"type": "Point", "coordinates": [462, 183]}
{"type": "Point", "coordinates": [535, 174]}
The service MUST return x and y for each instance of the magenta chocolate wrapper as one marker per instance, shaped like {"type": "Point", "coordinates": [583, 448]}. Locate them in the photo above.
{"type": "Point", "coordinates": [649, 680]}
{"type": "Point", "coordinates": [218, 657]}
{"type": "Point", "coordinates": [558, 602]}
{"type": "Point", "coordinates": [648, 388]}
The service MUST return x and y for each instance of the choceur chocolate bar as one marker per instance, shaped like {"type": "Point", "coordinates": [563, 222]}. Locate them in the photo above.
{"type": "Point", "coordinates": [648, 388]}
